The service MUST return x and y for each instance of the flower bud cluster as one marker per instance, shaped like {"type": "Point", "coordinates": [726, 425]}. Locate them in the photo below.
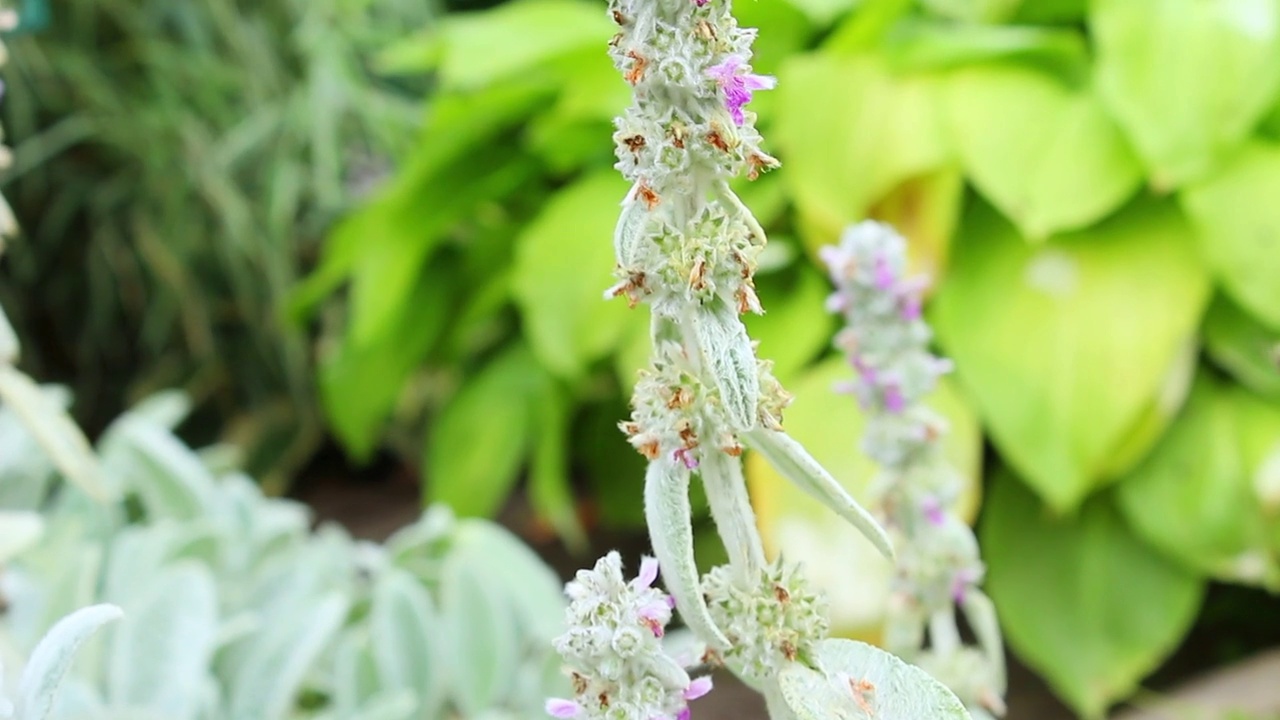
{"type": "Point", "coordinates": [886, 341]}
{"type": "Point", "coordinates": [613, 648]}
{"type": "Point", "coordinates": [779, 620]}
{"type": "Point", "coordinates": [939, 569]}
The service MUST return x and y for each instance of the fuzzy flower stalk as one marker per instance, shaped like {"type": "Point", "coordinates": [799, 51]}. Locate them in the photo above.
{"type": "Point", "coordinates": [687, 247]}
{"type": "Point", "coordinates": [886, 341]}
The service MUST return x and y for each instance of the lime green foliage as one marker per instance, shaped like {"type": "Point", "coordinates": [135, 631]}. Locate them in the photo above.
{"type": "Point", "coordinates": [176, 165]}
{"type": "Point", "coordinates": [1114, 606]}
{"type": "Point", "coordinates": [1090, 184]}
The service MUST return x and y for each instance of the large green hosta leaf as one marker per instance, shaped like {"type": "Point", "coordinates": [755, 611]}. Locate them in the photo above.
{"type": "Point", "coordinates": [1240, 229]}
{"type": "Point", "coordinates": [1064, 347]}
{"type": "Point", "coordinates": [849, 131]}
{"type": "Point", "coordinates": [562, 268]}
{"type": "Point", "coordinates": [1199, 494]}
{"type": "Point", "coordinates": [1188, 79]}
{"type": "Point", "coordinates": [1048, 156]}
{"type": "Point", "coordinates": [1244, 347]}
{"type": "Point", "coordinates": [1083, 601]}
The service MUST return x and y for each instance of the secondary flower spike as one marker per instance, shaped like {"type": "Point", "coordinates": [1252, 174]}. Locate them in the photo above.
{"type": "Point", "coordinates": [887, 343]}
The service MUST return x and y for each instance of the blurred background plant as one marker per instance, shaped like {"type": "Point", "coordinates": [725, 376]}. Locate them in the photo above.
{"type": "Point", "coordinates": [1087, 183]}
{"type": "Point", "coordinates": [176, 165]}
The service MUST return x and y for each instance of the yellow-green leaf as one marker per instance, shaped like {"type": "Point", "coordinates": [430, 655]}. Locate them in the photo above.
{"type": "Point", "coordinates": [1243, 347]}
{"type": "Point", "coordinates": [1194, 496]}
{"type": "Point", "coordinates": [1240, 229]}
{"type": "Point", "coordinates": [1048, 156]}
{"type": "Point", "coordinates": [1063, 346]}
{"type": "Point", "coordinates": [562, 268]}
{"type": "Point", "coordinates": [1082, 600]}
{"type": "Point", "coordinates": [848, 132]}
{"type": "Point", "coordinates": [1187, 79]}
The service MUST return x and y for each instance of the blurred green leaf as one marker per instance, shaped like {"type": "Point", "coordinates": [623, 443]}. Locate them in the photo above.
{"type": "Point", "coordinates": [615, 470]}
{"type": "Point", "coordinates": [1051, 11]}
{"type": "Point", "coordinates": [479, 441]}
{"type": "Point", "coordinates": [482, 636]}
{"type": "Point", "coordinates": [787, 31]}
{"type": "Point", "coordinates": [1194, 496]}
{"type": "Point", "coordinates": [1244, 347]}
{"type": "Point", "coordinates": [796, 327]}
{"type": "Point", "coordinates": [1063, 346]}
{"type": "Point", "coordinates": [1187, 79]}
{"type": "Point", "coordinates": [974, 11]}
{"type": "Point", "coordinates": [475, 49]}
{"type": "Point", "coordinates": [920, 45]}
{"type": "Point", "coordinates": [867, 25]}
{"type": "Point", "coordinates": [405, 633]}
{"type": "Point", "coordinates": [1240, 230]}
{"type": "Point", "coordinates": [823, 12]}
{"type": "Point", "coordinates": [1050, 158]}
{"type": "Point", "coordinates": [562, 268]}
{"type": "Point", "coordinates": [1082, 600]}
{"type": "Point", "coordinates": [550, 492]}
{"type": "Point", "coordinates": [161, 649]}
{"type": "Point", "coordinates": [849, 131]}
{"type": "Point", "coordinates": [360, 384]}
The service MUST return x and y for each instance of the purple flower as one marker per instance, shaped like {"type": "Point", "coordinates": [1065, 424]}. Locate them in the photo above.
{"type": "Point", "coordinates": [893, 400]}
{"type": "Point", "coordinates": [560, 708]}
{"type": "Point", "coordinates": [648, 573]}
{"type": "Point", "coordinates": [738, 86]}
{"type": "Point", "coordinates": [884, 273]}
{"type": "Point", "coordinates": [685, 455]}
{"type": "Point", "coordinates": [911, 307]}
{"type": "Point", "coordinates": [933, 511]}
{"type": "Point", "coordinates": [684, 714]}
{"type": "Point", "coordinates": [698, 688]}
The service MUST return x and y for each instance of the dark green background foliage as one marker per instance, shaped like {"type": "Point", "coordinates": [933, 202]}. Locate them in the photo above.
{"type": "Point", "coordinates": [176, 165]}
{"type": "Point", "coordinates": [1090, 184]}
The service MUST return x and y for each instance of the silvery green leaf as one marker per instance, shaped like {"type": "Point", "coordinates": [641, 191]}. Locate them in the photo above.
{"type": "Point", "coordinates": [166, 408]}
{"type": "Point", "coordinates": [669, 516]}
{"type": "Point", "coordinates": [798, 466]}
{"type": "Point", "coordinates": [8, 341]}
{"type": "Point", "coordinates": [78, 700]}
{"type": "Point", "coordinates": [168, 476]}
{"type": "Point", "coordinates": [629, 236]}
{"type": "Point", "coordinates": [394, 705]}
{"type": "Point", "coordinates": [481, 632]}
{"type": "Point", "coordinates": [54, 430]}
{"type": "Point", "coordinates": [266, 682]}
{"type": "Point", "coordinates": [19, 530]}
{"type": "Point", "coordinates": [160, 652]}
{"type": "Point", "coordinates": [25, 471]}
{"type": "Point", "coordinates": [52, 657]}
{"type": "Point", "coordinates": [858, 681]}
{"type": "Point", "coordinates": [729, 360]}
{"type": "Point", "coordinates": [355, 674]}
{"type": "Point", "coordinates": [406, 635]}
{"type": "Point", "coordinates": [981, 614]}
{"type": "Point", "coordinates": [533, 591]}
{"type": "Point", "coordinates": [731, 510]}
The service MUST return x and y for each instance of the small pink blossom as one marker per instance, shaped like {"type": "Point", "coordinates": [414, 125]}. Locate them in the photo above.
{"type": "Point", "coordinates": [561, 708]}
{"type": "Point", "coordinates": [686, 456]}
{"type": "Point", "coordinates": [738, 86]}
{"type": "Point", "coordinates": [893, 400]}
{"type": "Point", "coordinates": [699, 687]}
{"type": "Point", "coordinates": [648, 573]}
{"type": "Point", "coordinates": [884, 273]}
{"type": "Point", "coordinates": [933, 511]}
{"type": "Point", "coordinates": [684, 714]}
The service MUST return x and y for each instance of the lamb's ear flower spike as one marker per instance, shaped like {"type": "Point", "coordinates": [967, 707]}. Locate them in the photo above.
{"type": "Point", "coordinates": [886, 340]}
